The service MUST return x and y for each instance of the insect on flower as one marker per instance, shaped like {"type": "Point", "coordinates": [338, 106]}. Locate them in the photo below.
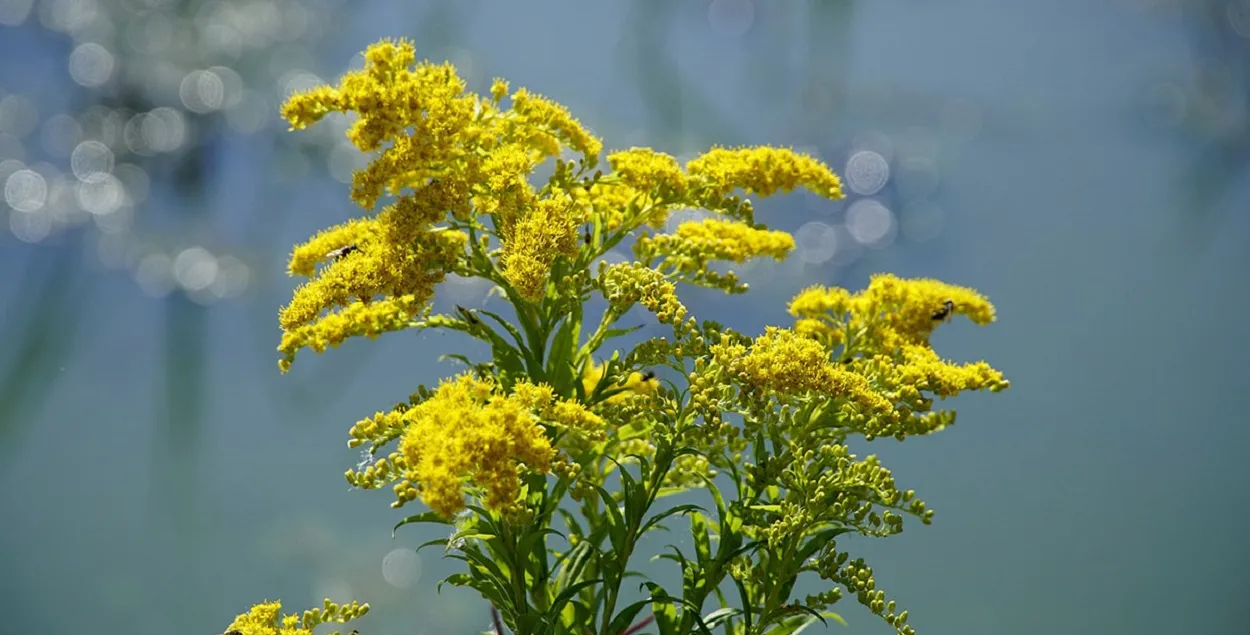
{"type": "Point", "coordinates": [341, 252]}
{"type": "Point", "coordinates": [945, 313]}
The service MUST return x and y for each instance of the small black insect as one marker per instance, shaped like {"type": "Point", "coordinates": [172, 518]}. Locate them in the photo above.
{"type": "Point", "coordinates": [648, 375]}
{"type": "Point", "coordinates": [586, 236]}
{"type": "Point", "coordinates": [339, 253]}
{"type": "Point", "coordinates": [945, 313]}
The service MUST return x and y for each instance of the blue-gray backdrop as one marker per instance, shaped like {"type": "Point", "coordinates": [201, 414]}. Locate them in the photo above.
{"type": "Point", "coordinates": [1085, 164]}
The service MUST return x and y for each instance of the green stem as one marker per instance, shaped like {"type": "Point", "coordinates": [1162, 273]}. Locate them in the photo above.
{"type": "Point", "coordinates": [659, 470]}
{"type": "Point", "coordinates": [610, 316]}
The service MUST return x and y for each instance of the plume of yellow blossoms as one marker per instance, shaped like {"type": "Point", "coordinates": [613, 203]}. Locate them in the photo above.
{"type": "Point", "coordinates": [266, 619]}
{"type": "Point", "coordinates": [453, 160]}
{"type": "Point", "coordinates": [468, 434]}
{"type": "Point", "coordinates": [451, 172]}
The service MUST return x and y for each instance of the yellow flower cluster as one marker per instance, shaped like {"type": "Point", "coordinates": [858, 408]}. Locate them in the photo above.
{"type": "Point", "coordinates": [694, 245]}
{"type": "Point", "coordinates": [266, 619]}
{"type": "Point", "coordinates": [882, 333]}
{"type": "Point", "coordinates": [424, 114]}
{"type": "Point", "coordinates": [783, 362]}
{"type": "Point", "coordinates": [763, 171]}
{"type": "Point", "coordinates": [441, 151]}
{"type": "Point", "coordinates": [546, 232]}
{"type": "Point", "coordinates": [649, 171]}
{"type": "Point", "coordinates": [359, 318]}
{"type": "Point", "coordinates": [466, 433]}
{"type": "Point", "coordinates": [626, 284]}
{"type": "Point", "coordinates": [613, 203]}
{"type": "Point", "coordinates": [467, 437]}
{"type": "Point", "coordinates": [889, 314]}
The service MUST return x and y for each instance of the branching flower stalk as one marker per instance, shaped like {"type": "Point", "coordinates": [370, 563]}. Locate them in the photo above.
{"type": "Point", "coordinates": [548, 460]}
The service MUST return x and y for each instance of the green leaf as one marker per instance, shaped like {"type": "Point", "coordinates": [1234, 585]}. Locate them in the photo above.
{"type": "Point", "coordinates": [790, 623]}
{"type": "Point", "coordinates": [619, 332]}
{"type": "Point", "coordinates": [656, 519]}
{"type": "Point", "coordinates": [664, 608]}
{"type": "Point", "coordinates": [491, 565]}
{"type": "Point", "coordinates": [818, 540]}
{"type": "Point", "coordinates": [616, 526]}
{"type": "Point", "coordinates": [442, 542]}
{"type": "Point", "coordinates": [745, 598]}
{"type": "Point", "coordinates": [456, 579]}
{"type": "Point", "coordinates": [423, 517]}
{"type": "Point", "coordinates": [570, 521]}
{"type": "Point", "coordinates": [490, 592]}
{"type": "Point", "coordinates": [574, 563]}
{"type": "Point", "coordinates": [714, 618]}
{"type": "Point", "coordinates": [488, 584]}
{"type": "Point", "coordinates": [457, 357]}
{"type": "Point", "coordinates": [528, 542]}
{"type": "Point", "coordinates": [835, 617]}
{"type": "Point", "coordinates": [516, 335]}
{"type": "Point", "coordinates": [557, 606]}
{"type": "Point", "coordinates": [560, 360]}
{"type": "Point", "coordinates": [702, 542]}
{"type": "Point", "coordinates": [625, 618]}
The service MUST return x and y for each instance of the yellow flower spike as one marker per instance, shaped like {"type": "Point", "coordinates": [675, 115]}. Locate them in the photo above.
{"type": "Point", "coordinates": [785, 362]}
{"type": "Point", "coordinates": [534, 396]}
{"type": "Point", "coordinates": [397, 255]}
{"type": "Point", "coordinates": [547, 231]}
{"type": "Point", "coordinates": [647, 170]}
{"type": "Point", "coordinates": [734, 241]}
{"type": "Point", "coordinates": [498, 89]}
{"type": "Point", "coordinates": [358, 318]}
{"type": "Point", "coordinates": [627, 284]}
{"type": "Point", "coordinates": [897, 312]}
{"type": "Point", "coordinates": [266, 619]}
{"type": "Point", "coordinates": [308, 107]}
{"type": "Point", "coordinates": [689, 251]}
{"type": "Point", "coordinates": [321, 248]}
{"type": "Point", "coordinates": [817, 301]}
{"type": "Point", "coordinates": [556, 118]}
{"type": "Point", "coordinates": [466, 435]}
{"type": "Point", "coordinates": [389, 56]}
{"type": "Point", "coordinates": [573, 415]}
{"type": "Point", "coordinates": [763, 171]}
{"type": "Point", "coordinates": [924, 369]}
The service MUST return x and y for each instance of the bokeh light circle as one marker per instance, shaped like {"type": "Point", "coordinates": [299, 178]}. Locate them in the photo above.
{"type": "Point", "coordinates": [867, 172]}
{"type": "Point", "coordinates": [816, 242]}
{"type": "Point", "coordinates": [102, 196]}
{"type": "Point", "coordinates": [870, 223]}
{"type": "Point", "coordinates": [401, 568]}
{"type": "Point", "coordinates": [26, 190]}
{"type": "Point", "coordinates": [91, 65]}
{"type": "Point", "coordinates": [91, 161]}
{"type": "Point", "coordinates": [195, 268]}
{"type": "Point", "coordinates": [30, 227]}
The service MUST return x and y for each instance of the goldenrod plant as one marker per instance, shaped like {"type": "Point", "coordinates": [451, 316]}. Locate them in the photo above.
{"type": "Point", "coordinates": [548, 461]}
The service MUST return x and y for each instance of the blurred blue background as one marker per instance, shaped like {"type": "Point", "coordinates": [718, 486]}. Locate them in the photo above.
{"type": "Point", "coordinates": [1086, 164]}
